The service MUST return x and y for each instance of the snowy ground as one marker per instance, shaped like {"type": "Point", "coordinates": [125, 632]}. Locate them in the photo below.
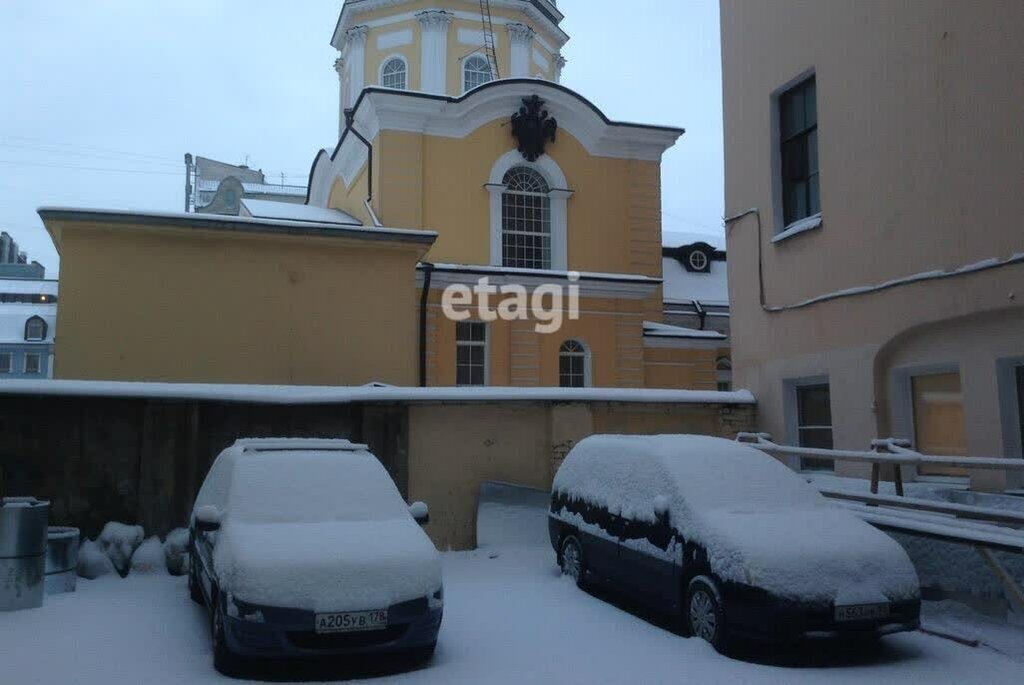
{"type": "Point", "coordinates": [509, 618]}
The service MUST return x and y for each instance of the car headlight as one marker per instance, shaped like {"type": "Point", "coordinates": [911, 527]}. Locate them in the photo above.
{"type": "Point", "coordinates": [436, 599]}
{"type": "Point", "coordinates": [243, 611]}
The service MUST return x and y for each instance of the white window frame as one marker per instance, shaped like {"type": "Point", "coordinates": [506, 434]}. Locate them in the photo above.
{"type": "Point", "coordinates": [534, 206]}
{"type": "Point", "coordinates": [10, 363]}
{"type": "Point", "coordinates": [791, 390]}
{"type": "Point", "coordinates": [559, 195]}
{"type": "Point", "coordinates": [585, 354]}
{"type": "Point", "coordinates": [388, 60]}
{"type": "Point", "coordinates": [39, 363]}
{"type": "Point", "coordinates": [780, 231]}
{"type": "Point", "coordinates": [465, 71]}
{"type": "Point", "coordinates": [703, 260]}
{"type": "Point", "coordinates": [35, 320]}
{"type": "Point", "coordinates": [486, 345]}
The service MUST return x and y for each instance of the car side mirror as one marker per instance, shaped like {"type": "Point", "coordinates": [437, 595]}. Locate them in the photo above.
{"type": "Point", "coordinates": [208, 518]}
{"type": "Point", "coordinates": [420, 513]}
{"type": "Point", "coordinates": [661, 508]}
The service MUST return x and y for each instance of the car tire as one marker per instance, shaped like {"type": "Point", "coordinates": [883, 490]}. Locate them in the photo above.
{"type": "Point", "coordinates": [224, 661]}
{"type": "Point", "coordinates": [194, 591]}
{"type": "Point", "coordinates": [705, 612]}
{"type": "Point", "coordinates": [572, 560]}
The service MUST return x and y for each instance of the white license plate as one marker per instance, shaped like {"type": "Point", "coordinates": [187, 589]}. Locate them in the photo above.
{"type": "Point", "coordinates": [862, 612]}
{"type": "Point", "coordinates": [352, 621]}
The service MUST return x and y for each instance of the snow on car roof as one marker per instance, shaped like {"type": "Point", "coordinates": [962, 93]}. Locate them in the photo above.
{"type": "Point", "coordinates": [617, 472]}
{"type": "Point", "coordinates": [293, 444]}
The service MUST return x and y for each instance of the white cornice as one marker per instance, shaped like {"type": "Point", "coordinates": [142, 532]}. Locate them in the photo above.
{"type": "Point", "coordinates": [627, 288]}
{"type": "Point", "coordinates": [349, 12]}
{"type": "Point", "coordinates": [444, 117]}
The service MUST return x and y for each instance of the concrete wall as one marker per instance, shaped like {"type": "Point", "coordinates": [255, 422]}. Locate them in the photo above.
{"type": "Point", "coordinates": [920, 156]}
{"type": "Point", "coordinates": [524, 444]}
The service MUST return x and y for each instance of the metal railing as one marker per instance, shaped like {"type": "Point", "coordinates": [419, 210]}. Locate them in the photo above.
{"type": "Point", "coordinates": [984, 528]}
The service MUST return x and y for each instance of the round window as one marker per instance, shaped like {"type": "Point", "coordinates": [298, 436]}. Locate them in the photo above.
{"type": "Point", "coordinates": [698, 260]}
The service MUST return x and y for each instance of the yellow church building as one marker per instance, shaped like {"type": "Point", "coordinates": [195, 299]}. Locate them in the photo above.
{"type": "Point", "coordinates": [462, 166]}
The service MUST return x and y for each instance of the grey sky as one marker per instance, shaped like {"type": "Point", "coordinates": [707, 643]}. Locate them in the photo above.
{"type": "Point", "coordinates": [91, 87]}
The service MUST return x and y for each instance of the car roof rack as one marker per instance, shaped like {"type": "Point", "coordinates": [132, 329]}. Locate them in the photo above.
{"type": "Point", "coordinates": [295, 444]}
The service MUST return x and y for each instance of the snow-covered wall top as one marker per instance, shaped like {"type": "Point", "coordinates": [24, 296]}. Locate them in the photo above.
{"type": "Point", "coordinates": [314, 394]}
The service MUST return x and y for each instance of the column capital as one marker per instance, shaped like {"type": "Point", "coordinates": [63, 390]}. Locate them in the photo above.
{"type": "Point", "coordinates": [357, 35]}
{"type": "Point", "coordinates": [559, 65]}
{"type": "Point", "coordinates": [520, 32]}
{"type": "Point", "coordinates": [339, 66]}
{"type": "Point", "coordinates": [434, 20]}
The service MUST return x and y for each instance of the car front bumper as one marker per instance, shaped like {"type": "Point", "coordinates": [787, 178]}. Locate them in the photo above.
{"type": "Point", "coordinates": [777, 620]}
{"type": "Point", "coordinates": [285, 634]}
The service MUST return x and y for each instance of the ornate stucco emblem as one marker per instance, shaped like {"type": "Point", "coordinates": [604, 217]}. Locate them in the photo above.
{"type": "Point", "coordinates": [533, 128]}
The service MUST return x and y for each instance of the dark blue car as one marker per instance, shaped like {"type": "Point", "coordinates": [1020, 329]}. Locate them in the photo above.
{"type": "Point", "coordinates": [305, 548]}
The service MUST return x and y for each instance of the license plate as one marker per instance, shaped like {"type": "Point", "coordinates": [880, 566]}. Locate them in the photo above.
{"type": "Point", "coordinates": [352, 621]}
{"type": "Point", "coordinates": [862, 612]}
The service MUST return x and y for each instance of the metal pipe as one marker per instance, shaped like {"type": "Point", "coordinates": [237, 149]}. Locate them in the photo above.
{"type": "Point", "coordinates": [428, 270]}
{"type": "Point", "coordinates": [350, 116]}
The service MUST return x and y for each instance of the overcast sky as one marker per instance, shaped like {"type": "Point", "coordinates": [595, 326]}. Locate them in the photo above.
{"type": "Point", "coordinates": [101, 99]}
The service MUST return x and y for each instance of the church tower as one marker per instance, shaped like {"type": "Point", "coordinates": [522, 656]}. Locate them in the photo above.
{"type": "Point", "coordinates": [444, 47]}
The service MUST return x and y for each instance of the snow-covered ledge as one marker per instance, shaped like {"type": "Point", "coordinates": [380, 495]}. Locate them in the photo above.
{"type": "Point", "coordinates": [797, 227]}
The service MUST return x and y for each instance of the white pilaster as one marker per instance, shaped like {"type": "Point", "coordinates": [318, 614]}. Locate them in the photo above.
{"type": "Point", "coordinates": [559, 65]}
{"type": "Point", "coordinates": [434, 50]}
{"type": "Point", "coordinates": [355, 57]}
{"type": "Point", "coordinates": [521, 37]}
{"type": "Point", "coordinates": [339, 67]}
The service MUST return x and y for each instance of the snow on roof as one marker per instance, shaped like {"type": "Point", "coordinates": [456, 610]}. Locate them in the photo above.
{"type": "Point", "coordinates": [685, 286]}
{"type": "Point", "coordinates": [664, 330]}
{"type": "Point", "coordinates": [209, 185]}
{"type": "Point", "coordinates": [269, 209]}
{"type": "Point", "coordinates": [218, 221]}
{"type": "Point", "coordinates": [315, 394]}
{"type": "Point", "coordinates": [680, 238]}
{"type": "Point", "coordinates": [28, 286]}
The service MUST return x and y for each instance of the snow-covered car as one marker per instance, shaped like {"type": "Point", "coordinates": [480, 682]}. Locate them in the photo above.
{"type": "Point", "coordinates": [728, 537]}
{"type": "Point", "coordinates": [306, 548]}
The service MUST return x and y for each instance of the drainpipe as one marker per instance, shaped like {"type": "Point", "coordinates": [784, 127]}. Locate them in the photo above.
{"type": "Point", "coordinates": [350, 115]}
{"type": "Point", "coordinates": [428, 270]}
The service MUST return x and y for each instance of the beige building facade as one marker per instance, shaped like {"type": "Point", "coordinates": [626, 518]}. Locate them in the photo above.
{"type": "Point", "coordinates": [876, 257]}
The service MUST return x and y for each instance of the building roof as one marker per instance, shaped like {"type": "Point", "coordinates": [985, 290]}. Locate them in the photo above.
{"type": "Point", "coordinates": [268, 209]}
{"type": "Point", "coordinates": [28, 286]}
{"type": "Point", "coordinates": [219, 222]}
{"type": "Point", "coordinates": [663, 330]}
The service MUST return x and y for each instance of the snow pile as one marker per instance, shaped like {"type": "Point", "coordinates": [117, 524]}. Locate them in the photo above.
{"type": "Point", "coordinates": [759, 522]}
{"type": "Point", "coordinates": [93, 562]}
{"type": "Point", "coordinates": [176, 552]}
{"type": "Point", "coordinates": [322, 531]}
{"type": "Point", "coordinates": [149, 557]}
{"type": "Point", "coordinates": [119, 541]}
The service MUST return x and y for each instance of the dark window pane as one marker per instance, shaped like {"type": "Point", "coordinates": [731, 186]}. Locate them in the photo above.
{"type": "Point", "coordinates": [813, 406]}
{"type": "Point", "coordinates": [793, 120]}
{"type": "Point", "coordinates": [820, 438]}
{"type": "Point", "coordinates": [1020, 399]}
{"type": "Point", "coordinates": [812, 151]}
{"type": "Point", "coordinates": [795, 201]}
{"type": "Point", "coordinates": [813, 198]}
{"type": "Point", "coordinates": [811, 102]}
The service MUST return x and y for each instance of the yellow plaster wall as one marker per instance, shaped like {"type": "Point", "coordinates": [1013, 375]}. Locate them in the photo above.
{"type": "Point", "coordinates": [692, 369]}
{"type": "Point", "coordinates": [520, 356]}
{"type": "Point", "coordinates": [613, 217]}
{"type": "Point", "coordinates": [151, 304]}
{"type": "Point", "coordinates": [374, 58]}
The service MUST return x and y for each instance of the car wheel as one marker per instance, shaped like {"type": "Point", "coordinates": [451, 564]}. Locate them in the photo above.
{"type": "Point", "coordinates": [223, 660]}
{"type": "Point", "coordinates": [573, 563]}
{"type": "Point", "coordinates": [705, 614]}
{"type": "Point", "coordinates": [194, 591]}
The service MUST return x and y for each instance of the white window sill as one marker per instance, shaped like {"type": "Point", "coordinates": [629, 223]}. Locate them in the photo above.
{"type": "Point", "coordinates": [797, 227]}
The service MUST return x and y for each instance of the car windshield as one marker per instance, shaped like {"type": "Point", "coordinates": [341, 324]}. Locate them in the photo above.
{"type": "Point", "coordinates": [312, 487]}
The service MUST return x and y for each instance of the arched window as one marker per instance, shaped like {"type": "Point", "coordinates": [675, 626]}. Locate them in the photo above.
{"type": "Point", "coordinates": [393, 73]}
{"type": "Point", "coordinates": [35, 328]}
{"type": "Point", "coordinates": [525, 220]}
{"type": "Point", "coordinates": [572, 365]}
{"type": "Point", "coordinates": [476, 71]}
